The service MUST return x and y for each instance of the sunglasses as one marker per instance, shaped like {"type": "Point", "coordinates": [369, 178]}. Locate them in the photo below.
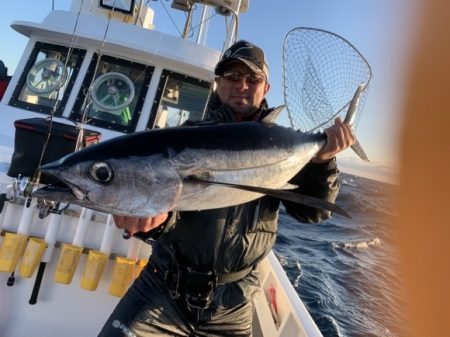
{"type": "Point", "coordinates": [234, 76]}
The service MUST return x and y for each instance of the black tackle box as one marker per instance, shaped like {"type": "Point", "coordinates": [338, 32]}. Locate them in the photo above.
{"type": "Point", "coordinates": [30, 137]}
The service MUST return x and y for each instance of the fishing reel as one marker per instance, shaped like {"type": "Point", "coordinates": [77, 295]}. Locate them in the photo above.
{"type": "Point", "coordinates": [18, 192]}
{"type": "Point", "coordinates": [21, 191]}
{"type": "Point", "coordinates": [46, 207]}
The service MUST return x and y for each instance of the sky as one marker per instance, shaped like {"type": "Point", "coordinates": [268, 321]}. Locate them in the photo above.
{"type": "Point", "coordinates": [380, 29]}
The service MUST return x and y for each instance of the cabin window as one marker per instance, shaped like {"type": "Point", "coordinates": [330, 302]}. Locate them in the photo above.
{"type": "Point", "coordinates": [48, 78]}
{"type": "Point", "coordinates": [179, 98]}
{"type": "Point", "coordinates": [118, 89]}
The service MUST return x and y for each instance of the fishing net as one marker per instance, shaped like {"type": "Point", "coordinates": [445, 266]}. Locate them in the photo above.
{"type": "Point", "coordinates": [321, 72]}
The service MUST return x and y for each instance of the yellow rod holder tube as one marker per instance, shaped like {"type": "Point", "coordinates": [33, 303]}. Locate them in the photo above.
{"type": "Point", "coordinates": [124, 269]}
{"type": "Point", "coordinates": [97, 260]}
{"type": "Point", "coordinates": [93, 269]}
{"type": "Point", "coordinates": [14, 244]}
{"type": "Point", "coordinates": [140, 264]}
{"type": "Point", "coordinates": [67, 263]}
{"type": "Point", "coordinates": [121, 276]}
{"type": "Point", "coordinates": [11, 250]}
{"type": "Point", "coordinates": [32, 256]}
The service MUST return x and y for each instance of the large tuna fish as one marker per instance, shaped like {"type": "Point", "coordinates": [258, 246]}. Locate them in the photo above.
{"type": "Point", "coordinates": [188, 168]}
{"type": "Point", "coordinates": [151, 172]}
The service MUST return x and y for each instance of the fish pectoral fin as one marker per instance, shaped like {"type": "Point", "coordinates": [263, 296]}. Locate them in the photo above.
{"type": "Point", "coordinates": [289, 187]}
{"type": "Point", "coordinates": [195, 173]}
{"type": "Point", "coordinates": [288, 195]}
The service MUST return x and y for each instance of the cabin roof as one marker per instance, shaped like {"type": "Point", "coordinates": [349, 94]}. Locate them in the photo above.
{"type": "Point", "coordinates": [146, 45]}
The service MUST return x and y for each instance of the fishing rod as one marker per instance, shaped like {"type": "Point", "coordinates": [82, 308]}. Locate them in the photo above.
{"type": "Point", "coordinates": [50, 240]}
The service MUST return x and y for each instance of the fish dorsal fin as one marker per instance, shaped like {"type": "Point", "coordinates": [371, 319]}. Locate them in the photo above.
{"type": "Point", "coordinates": [280, 194]}
{"type": "Point", "coordinates": [272, 116]}
{"type": "Point", "coordinates": [170, 153]}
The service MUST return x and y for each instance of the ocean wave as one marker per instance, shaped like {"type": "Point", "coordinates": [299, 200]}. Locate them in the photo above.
{"type": "Point", "coordinates": [349, 182]}
{"type": "Point", "coordinates": [357, 245]}
{"type": "Point", "coordinates": [330, 326]}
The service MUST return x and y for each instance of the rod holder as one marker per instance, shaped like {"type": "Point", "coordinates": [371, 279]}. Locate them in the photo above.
{"type": "Point", "coordinates": [93, 269]}
{"type": "Point", "coordinates": [121, 276]}
{"type": "Point", "coordinates": [11, 250]}
{"type": "Point", "coordinates": [67, 263]}
{"type": "Point", "coordinates": [32, 256]}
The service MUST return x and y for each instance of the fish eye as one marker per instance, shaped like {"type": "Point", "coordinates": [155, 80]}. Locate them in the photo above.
{"type": "Point", "coordinates": [101, 172]}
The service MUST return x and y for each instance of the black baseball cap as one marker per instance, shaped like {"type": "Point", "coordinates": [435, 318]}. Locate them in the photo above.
{"type": "Point", "coordinates": [246, 52]}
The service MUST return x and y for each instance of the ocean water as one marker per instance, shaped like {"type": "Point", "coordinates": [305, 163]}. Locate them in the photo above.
{"type": "Point", "coordinates": [346, 270]}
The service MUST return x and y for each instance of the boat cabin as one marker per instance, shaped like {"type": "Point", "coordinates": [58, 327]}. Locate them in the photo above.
{"type": "Point", "coordinates": [81, 66]}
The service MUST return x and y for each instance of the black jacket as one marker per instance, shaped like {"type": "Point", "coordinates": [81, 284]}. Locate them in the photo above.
{"type": "Point", "coordinates": [230, 239]}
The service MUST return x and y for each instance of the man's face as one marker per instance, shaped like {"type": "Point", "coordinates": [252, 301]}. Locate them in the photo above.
{"type": "Point", "coordinates": [242, 95]}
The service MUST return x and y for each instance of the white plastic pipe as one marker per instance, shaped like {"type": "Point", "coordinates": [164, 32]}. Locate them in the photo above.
{"type": "Point", "coordinates": [50, 235]}
{"type": "Point", "coordinates": [82, 227]}
{"type": "Point", "coordinates": [108, 235]}
{"type": "Point", "coordinates": [26, 218]}
{"type": "Point", "coordinates": [133, 249]}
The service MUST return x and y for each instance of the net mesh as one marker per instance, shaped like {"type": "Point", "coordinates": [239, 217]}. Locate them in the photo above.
{"type": "Point", "coordinates": [321, 72]}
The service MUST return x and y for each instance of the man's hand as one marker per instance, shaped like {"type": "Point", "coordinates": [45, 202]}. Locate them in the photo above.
{"type": "Point", "coordinates": [339, 137]}
{"type": "Point", "coordinates": [134, 225]}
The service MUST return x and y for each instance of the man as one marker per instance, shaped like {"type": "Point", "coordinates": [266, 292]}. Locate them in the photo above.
{"type": "Point", "coordinates": [201, 276]}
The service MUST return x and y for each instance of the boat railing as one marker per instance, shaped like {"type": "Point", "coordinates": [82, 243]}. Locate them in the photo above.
{"type": "Point", "coordinates": [278, 310]}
